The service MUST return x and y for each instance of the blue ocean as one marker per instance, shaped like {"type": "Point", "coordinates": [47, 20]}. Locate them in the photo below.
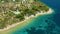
{"type": "Point", "coordinates": [43, 24]}
{"type": "Point", "coordinates": [54, 4]}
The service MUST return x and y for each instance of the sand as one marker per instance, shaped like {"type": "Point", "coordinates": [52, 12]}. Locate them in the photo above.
{"type": "Point", "coordinates": [26, 19]}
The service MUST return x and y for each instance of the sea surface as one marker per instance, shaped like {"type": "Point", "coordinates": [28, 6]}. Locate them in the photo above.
{"type": "Point", "coordinates": [54, 4]}
{"type": "Point", "coordinates": [43, 24]}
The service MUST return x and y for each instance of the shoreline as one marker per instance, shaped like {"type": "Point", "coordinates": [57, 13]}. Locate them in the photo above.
{"type": "Point", "coordinates": [27, 18]}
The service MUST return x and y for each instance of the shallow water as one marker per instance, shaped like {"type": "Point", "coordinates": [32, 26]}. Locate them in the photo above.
{"type": "Point", "coordinates": [42, 24]}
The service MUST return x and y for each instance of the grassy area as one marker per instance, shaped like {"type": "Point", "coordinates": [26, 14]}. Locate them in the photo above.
{"type": "Point", "coordinates": [26, 8]}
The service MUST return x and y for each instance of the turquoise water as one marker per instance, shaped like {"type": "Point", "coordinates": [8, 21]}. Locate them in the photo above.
{"type": "Point", "coordinates": [43, 24]}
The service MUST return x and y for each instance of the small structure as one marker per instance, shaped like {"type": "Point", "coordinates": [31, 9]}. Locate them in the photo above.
{"type": "Point", "coordinates": [16, 12]}
{"type": "Point", "coordinates": [13, 0]}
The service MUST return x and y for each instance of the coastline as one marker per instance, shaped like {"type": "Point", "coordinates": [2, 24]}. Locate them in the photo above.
{"type": "Point", "coordinates": [27, 18]}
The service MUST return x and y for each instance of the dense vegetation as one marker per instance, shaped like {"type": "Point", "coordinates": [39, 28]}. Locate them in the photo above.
{"type": "Point", "coordinates": [26, 8]}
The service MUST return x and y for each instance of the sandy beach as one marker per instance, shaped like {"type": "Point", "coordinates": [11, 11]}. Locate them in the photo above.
{"type": "Point", "coordinates": [26, 18]}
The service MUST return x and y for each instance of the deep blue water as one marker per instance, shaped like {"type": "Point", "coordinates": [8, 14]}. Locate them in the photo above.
{"type": "Point", "coordinates": [54, 4]}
